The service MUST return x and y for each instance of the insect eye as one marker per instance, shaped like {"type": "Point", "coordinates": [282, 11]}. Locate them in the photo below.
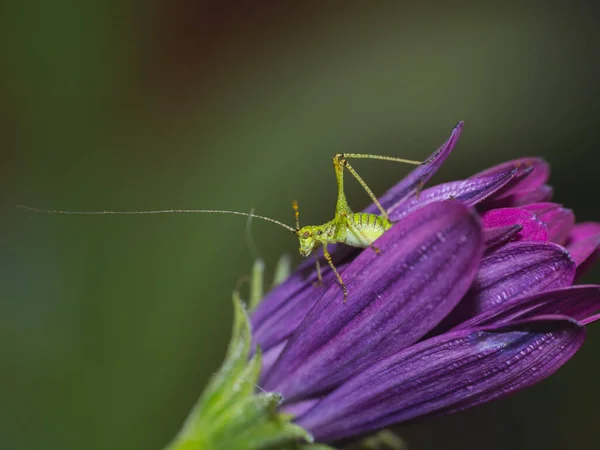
{"type": "Point", "coordinates": [320, 232]}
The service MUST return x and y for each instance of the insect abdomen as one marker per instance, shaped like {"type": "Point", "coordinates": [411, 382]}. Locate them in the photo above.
{"type": "Point", "coordinates": [365, 228]}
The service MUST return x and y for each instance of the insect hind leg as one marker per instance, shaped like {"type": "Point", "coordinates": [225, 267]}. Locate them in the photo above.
{"type": "Point", "coordinates": [341, 160]}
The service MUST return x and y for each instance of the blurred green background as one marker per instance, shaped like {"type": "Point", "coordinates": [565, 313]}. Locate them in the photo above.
{"type": "Point", "coordinates": [110, 326]}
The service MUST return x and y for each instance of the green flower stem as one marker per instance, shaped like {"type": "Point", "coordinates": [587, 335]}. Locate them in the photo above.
{"type": "Point", "coordinates": [233, 413]}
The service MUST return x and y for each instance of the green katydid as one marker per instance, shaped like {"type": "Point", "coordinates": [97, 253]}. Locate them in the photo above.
{"type": "Point", "coordinates": [346, 227]}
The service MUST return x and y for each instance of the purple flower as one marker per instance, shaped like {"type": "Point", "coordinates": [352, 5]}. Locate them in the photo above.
{"type": "Point", "coordinates": [470, 299]}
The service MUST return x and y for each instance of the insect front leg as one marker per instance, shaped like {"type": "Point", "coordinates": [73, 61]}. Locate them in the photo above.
{"type": "Point", "coordinates": [337, 274]}
{"type": "Point", "coordinates": [319, 281]}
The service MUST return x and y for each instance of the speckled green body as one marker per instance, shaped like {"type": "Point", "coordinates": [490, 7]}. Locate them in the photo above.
{"type": "Point", "coordinates": [347, 227]}
{"type": "Point", "coordinates": [355, 229]}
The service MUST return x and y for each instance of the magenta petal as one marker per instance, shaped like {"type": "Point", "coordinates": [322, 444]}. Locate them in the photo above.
{"type": "Point", "coordinates": [470, 192]}
{"type": "Point", "coordinates": [444, 374]}
{"type": "Point", "coordinates": [539, 194]}
{"type": "Point", "coordinates": [533, 228]}
{"type": "Point", "coordinates": [590, 319]}
{"type": "Point", "coordinates": [496, 236]}
{"type": "Point", "coordinates": [577, 302]}
{"type": "Point", "coordinates": [583, 240]}
{"type": "Point", "coordinates": [583, 244]}
{"type": "Point", "coordinates": [559, 220]}
{"type": "Point", "coordinates": [419, 176]}
{"type": "Point", "coordinates": [532, 173]}
{"type": "Point", "coordinates": [427, 263]}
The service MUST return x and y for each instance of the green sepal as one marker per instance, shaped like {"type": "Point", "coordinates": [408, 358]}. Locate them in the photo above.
{"type": "Point", "coordinates": [283, 269]}
{"type": "Point", "coordinates": [233, 413]}
{"type": "Point", "coordinates": [256, 284]}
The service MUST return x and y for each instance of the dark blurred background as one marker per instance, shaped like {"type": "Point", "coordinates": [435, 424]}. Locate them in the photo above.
{"type": "Point", "coordinates": [110, 326]}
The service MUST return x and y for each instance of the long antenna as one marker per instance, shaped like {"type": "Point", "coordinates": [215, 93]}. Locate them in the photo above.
{"type": "Point", "coordinates": [160, 211]}
{"type": "Point", "coordinates": [296, 214]}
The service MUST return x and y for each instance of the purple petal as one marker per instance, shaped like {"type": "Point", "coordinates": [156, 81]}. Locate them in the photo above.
{"type": "Point", "coordinates": [514, 271]}
{"type": "Point", "coordinates": [444, 374]}
{"type": "Point", "coordinates": [577, 302]}
{"type": "Point", "coordinates": [532, 173]}
{"type": "Point", "coordinates": [583, 244]}
{"type": "Point", "coordinates": [559, 220]}
{"type": "Point", "coordinates": [291, 308]}
{"type": "Point", "coordinates": [533, 228]}
{"type": "Point", "coordinates": [427, 263]}
{"type": "Point", "coordinates": [279, 296]}
{"type": "Point", "coordinates": [539, 194]}
{"type": "Point", "coordinates": [470, 192]}
{"type": "Point", "coordinates": [496, 236]}
{"type": "Point", "coordinates": [291, 297]}
{"type": "Point", "coordinates": [270, 356]}
{"type": "Point", "coordinates": [300, 408]}
{"type": "Point", "coordinates": [518, 269]}
{"type": "Point", "coordinates": [416, 179]}
{"type": "Point", "coordinates": [529, 376]}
